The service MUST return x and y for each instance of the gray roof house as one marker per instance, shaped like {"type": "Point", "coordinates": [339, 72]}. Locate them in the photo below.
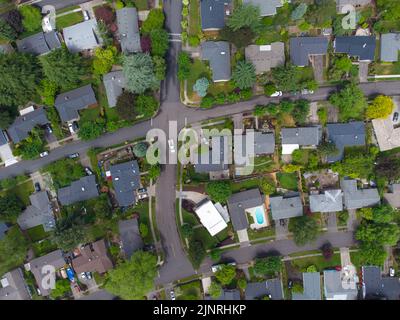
{"type": "Point", "coordinates": [233, 294]}
{"type": "Point", "coordinates": [284, 208]}
{"type": "Point", "coordinates": [219, 56]}
{"type": "Point", "coordinates": [114, 82]}
{"type": "Point", "coordinates": [40, 212]}
{"type": "Point", "coordinates": [355, 3]}
{"type": "Point", "coordinates": [69, 103]}
{"type": "Point", "coordinates": [54, 259]}
{"type": "Point", "coordinates": [40, 43]}
{"type": "Point", "coordinates": [13, 286]}
{"type": "Point", "coordinates": [3, 229]}
{"type": "Point", "coordinates": [302, 48]}
{"type": "Point", "coordinates": [393, 196]}
{"type": "Point", "coordinates": [377, 287]}
{"type": "Point", "coordinates": [311, 286]}
{"type": "Point", "coordinates": [334, 289]}
{"type": "Point", "coordinates": [258, 290]}
{"type": "Point", "coordinates": [264, 143]}
{"type": "Point", "coordinates": [23, 125]}
{"type": "Point", "coordinates": [266, 57]}
{"type": "Point", "coordinates": [130, 236]}
{"type": "Point", "coordinates": [267, 7]}
{"type": "Point", "coordinates": [329, 201]}
{"type": "Point", "coordinates": [82, 36]}
{"type": "Point", "coordinates": [355, 198]}
{"type": "Point", "coordinates": [3, 138]}
{"type": "Point", "coordinates": [126, 179]}
{"type": "Point", "coordinates": [390, 46]}
{"type": "Point", "coordinates": [213, 13]}
{"type": "Point", "coordinates": [345, 135]}
{"type": "Point", "coordinates": [239, 202]}
{"type": "Point", "coordinates": [206, 163]}
{"type": "Point", "coordinates": [362, 47]}
{"type": "Point", "coordinates": [128, 30]}
{"type": "Point", "coordinates": [302, 136]}
{"type": "Point", "coordinates": [80, 190]}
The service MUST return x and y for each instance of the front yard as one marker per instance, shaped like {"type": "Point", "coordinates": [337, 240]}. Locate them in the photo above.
{"type": "Point", "coordinates": [68, 20]}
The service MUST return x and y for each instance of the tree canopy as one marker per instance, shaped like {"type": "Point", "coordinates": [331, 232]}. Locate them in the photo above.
{"type": "Point", "coordinates": [155, 20]}
{"type": "Point", "coordinates": [31, 18]}
{"type": "Point", "coordinates": [104, 59]}
{"type": "Point", "coordinates": [244, 74]}
{"type": "Point", "coordinates": [13, 249]}
{"type": "Point", "coordinates": [225, 274]}
{"type": "Point", "coordinates": [304, 228]}
{"type": "Point", "coordinates": [219, 191]}
{"type": "Point", "coordinates": [159, 42]}
{"type": "Point", "coordinates": [380, 108]}
{"type": "Point", "coordinates": [241, 38]}
{"type": "Point", "coordinates": [245, 15]}
{"type": "Point", "coordinates": [378, 233]}
{"type": "Point", "coordinates": [10, 207]}
{"type": "Point", "coordinates": [215, 290]}
{"type": "Point", "coordinates": [146, 105]}
{"type": "Point", "coordinates": [268, 266]}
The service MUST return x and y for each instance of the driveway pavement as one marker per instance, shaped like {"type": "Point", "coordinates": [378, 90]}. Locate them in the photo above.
{"type": "Point", "coordinates": [318, 68]}
{"type": "Point", "coordinates": [363, 71]}
{"type": "Point", "coordinates": [331, 222]}
{"type": "Point", "coordinates": [281, 230]}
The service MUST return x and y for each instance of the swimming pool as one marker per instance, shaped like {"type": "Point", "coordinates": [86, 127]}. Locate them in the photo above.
{"type": "Point", "coordinates": [259, 215]}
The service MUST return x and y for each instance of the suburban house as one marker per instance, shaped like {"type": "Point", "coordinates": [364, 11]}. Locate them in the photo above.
{"type": "Point", "coordinates": [129, 234]}
{"type": "Point", "coordinates": [387, 131]}
{"type": "Point", "coordinates": [362, 47]}
{"type": "Point", "coordinates": [93, 258]}
{"type": "Point", "coordinates": [114, 83]}
{"type": "Point", "coordinates": [210, 217]}
{"type": "Point", "coordinates": [24, 124]}
{"type": "Point", "coordinates": [311, 286]}
{"type": "Point", "coordinates": [69, 103]}
{"type": "Point", "coordinates": [303, 49]}
{"type": "Point", "coordinates": [3, 229]}
{"type": "Point", "coordinates": [329, 201]}
{"type": "Point", "coordinates": [267, 7]}
{"type": "Point", "coordinates": [6, 154]}
{"type": "Point", "coordinates": [82, 36]}
{"type": "Point", "coordinates": [214, 161]}
{"type": "Point", "coordinates": [355, 198]}
{"type": "Point", "coordinates": [376, 287]}
{"type": "Point", "coordinates": [217, 53]}
{"type": "Point", "coordinates": [393, 196]}
{"type": "Point", "coordinates": [226, 294]}
{"type": "Point", "coordinates": [284, 207]}
{"type": "Point", "coordinates": [337, 288]}
{"type": "Point", "coordinates": [266, 57]}
{"type": "Point", "coordinates": [390, 46]}
{"type": "Point", "coordinates": [40, 269]}
{"type": "Point", "coordinates": [80, 190]}
{"type": "Point", "coordinates": [242, 204]}
{"type": "Point", "coordinates": [40, 212]}
{"type": "Point", "coordinates": [213, 13]}
{"type": "Point", "coordinates": [294, 138]}
{"type": "Point", "coordinates": [345, 135]}
{"type": "Point", "coordinates": [13, 286]}
{"type": "Point", "coordinates": [128, 30]}
{"type": "Point", "coordinates": [355, 3]}
{"type": "Point", "coordinates": [271, 288]}
{"type": "Point", "coordinates": [126, 180]}
{"type": "Point", "coordinates": [40, 43]}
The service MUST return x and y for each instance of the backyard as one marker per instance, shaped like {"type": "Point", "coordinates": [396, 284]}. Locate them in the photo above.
{"type": "Point", "coordinates": [288, 180]}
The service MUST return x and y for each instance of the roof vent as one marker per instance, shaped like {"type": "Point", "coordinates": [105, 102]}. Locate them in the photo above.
{"type": "Point", "coordinates": [356, 137]}
{"type": "Point", "coordinates": [223, 52]}
{"type": "Point", "coordinates": [239, 205]}
{"type": "Point", "coordinates": [66, 97]}
{"type": "Point", "coordinates": [83, 188]}
{"type": "Point", "coordinates": [364, 45]}
{"type": "Point", "coordinates": [297, 134]}
{"type": "Point", "coordinates": [113, 77]}
{"type": "Point", "coordinates": [116, 179]}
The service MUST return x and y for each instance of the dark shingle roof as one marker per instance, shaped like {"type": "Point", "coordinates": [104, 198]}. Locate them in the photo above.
{"type": "Point", "coordinates": [345, 135]}
{"type": "Point", "coordinates": [128, 29]}
{"type": "Point", "coordinates": [213, 13]}
{"type": "Point", "coordinates": [267, 7]}
{"type": "Point", "coordinates": [16, 288]}
{"type": "Point", "coordinates": [239, 202]}
{"type": "Point", "coordinates": [311, 286]}
{"type": "Point", "coordinates": [93, 258]}
{"type": "Point", "coordinates": [303, 136]}
{"type": "Point", "coordinates": [82, 36]}
{"type": "Point", "coordinates": [126, 179]}
{"type": "Point", "coordinates": [114, 83]}
{"type": "Point", "coordinates": [390, 46]}
{"type": "Point", "coordinates": [80, 190]}
{"type": "Point", "coordinates": [23, 125]}
{"type": "Point", "coordinates": [257, 290]}
{"type": "Point", "coordinates": [219, 57]}
{"type": "Point", "coordinates": [284, 208]}
{"type": "Point", "coordinates": [355, 198]}
{"type": "Point", "coordinates": [302, 48]}
{"type": "Point", "coordinates": [40, 43]}
{"type": "Point", "coordinates": [3, 138]}
{"type": "Point", "coordinates": [329, 201]}
{"type": "Point", "coordinates": [377, 286]}
{"type": "Point", "coordinates": [264, 143]}
{"type": "Point", "coordinates": [130, 236]}
{"type": "Point", "coordinates": [68, 103]}
{"type": "Point", "coordinates": [357, 46]}
{"type": "Point", "coordinates": [205, 161]}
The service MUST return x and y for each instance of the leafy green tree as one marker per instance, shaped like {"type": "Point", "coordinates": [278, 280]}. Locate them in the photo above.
{"type": "Point", "coordinates": [300, 111]}
{"type": "Point", "coordinates": [159, 42]}
{"type": "Point", "coordinates": [31, 18]}
{"type": "Point", "coordinates": [146, 105]}
{"type": "Point", "coordinates": [242, 283]}
{"type": "Point", "coordinates": [30, 147]}
{"type": "Point", "coordinates": [13, 249]}
{"type": "Point", "coordinates": [139, 149]}
{"type": "Point", "coordinates": [138, 70]}
{"type": "Point", "coordinates": [69, 238]}
{"type": "Point", "coordinates": [355, 165]}
{"type": "Point", "coordinates": [155, 20]}
{"type": "Point", "coordinates": [269, 89]}
{"type": "Point", "coordinates": [245, 15]}
{"type": "Point", "coordinates": [102, 208]}
{"type": "Point", "coordinates": [383, 214]}
{"type": "Point", "coordinates": [244, 75]}
{"type": "Point", "coordinates": [10, 207]}
{"type": "Point", "coordinates": [215, 290]}
{"type": "Point", "coordinates": [48, 91]}
{"type": "Point", "coordinates": [160, 67]}
{"type": "Point", "coordinates": [125, 106]}
{"type": "Point", "coordinates": [19, 74]}
{"type": "Point", "coordinates": [133, 279]}
{"type": "Point", "coordinates": [380, 108]}
{"type": "Point", "coordinates": [219, 191]}
{"type": "Point", "coordinates": [366, 213]}
{"type": "Point", "coordinates": [63, 287]}
{"type": "Point", "coordinates": [321, 13]}
{"type": "Point", "coordinates": [226, 274]}
{"type": "Point", "coordinates": [297, 288]}
{"type": "Point", "coordinates": [268, 266]}
{"type": "Point", "coordinates": [187, 230]}
{"type": "Point", "coordinates": [197, 253]}
{"type": "Point", "coordinates": [14, 19]}
{"type": "Point", "coordinates": [6, 31]}
{"type": "Point", "coordinates": [154, 172]}
{"type": "Point", "coordinates": [89, 130]}
{"type": "Point", "coordinates": [64, 171]}
{"type": "Point", "coordinates": [215, 255]}
{"type": "Point", "coordinates": [241, 38]}
{"type": "Point", "coordinates": [104, 33]}
{"type": "Point", "coordinates": [144, 230]}
{"type": "Point", "coordinates": [327, 148]}
{"type": "Point", "coordinates": [304, 228]}
{"type": "Point", "coordinates": [267, 186]}
{"type": "Point", "coordinates": [286, 78]}
{"type": "Point", "coordinates": [341, 66]}
{"type": "Point", "coordinates": [299, 11]}
{"type": "Point", "coordinates": [104, 59]}
{"type": "Point", "coordinates": [378, 233]}
{"type": "Point", "coordinates": [64, 68]}
{"type": "Point", "coordinates": [184, 66]}
{"type": "Point", "coordinates": [201, 86]}
{"type": "Point", "coordinates": [372, 254]}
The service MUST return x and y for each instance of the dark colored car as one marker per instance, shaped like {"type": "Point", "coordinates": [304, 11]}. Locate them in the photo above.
{"type": "Point", "coordinates": [395, 116]}
{"type": "Point", "coordinates": [37, 187]}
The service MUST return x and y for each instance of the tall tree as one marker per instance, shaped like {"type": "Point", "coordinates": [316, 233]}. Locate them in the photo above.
{"type": "Point", "coordinates": [31, 18]}
{"type": "Point", "coordinates": [304, 228]}
{"type": "Point", "coordinates": [380, 108]}
{"type": "Point", "coordinates": [159, 42]}
{"type": "Point", "coordinates": [13, 249]}
{"type": "Point", "coordinates": [146, 105]}
{"type": "Point", "coordinates": [14, 19]}
{"type": "Point", "coordinates": [240, 38]}
{"type": "Point", "coordinates": [244, 75]}
{"type": "Point", "coordinates": [268, 266]}
{"type": "Point", "coordinates": [6, 31]}
{"type": "Point", "coordinates": [226, 274]}
{"type": "Point", "coordinates": [245, 15]}
{"type": "Point", "coordinates": [10, 207]}
{"type": "Point", "coordinates": [125, 106]}
{"type": "Point", "coordinates": [104, 59]}
{"type": "Point", "coordinates": [155, 20]}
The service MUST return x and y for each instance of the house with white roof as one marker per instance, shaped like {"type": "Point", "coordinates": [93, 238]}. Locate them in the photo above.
{"type": "Point", "coordinates": [209, 217]}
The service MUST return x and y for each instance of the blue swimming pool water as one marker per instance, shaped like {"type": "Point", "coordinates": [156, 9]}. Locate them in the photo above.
{"type": "Point", "coordinates": [259, 216]}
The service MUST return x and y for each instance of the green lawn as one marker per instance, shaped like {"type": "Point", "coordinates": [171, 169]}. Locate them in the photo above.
{"type": "Point", "coordinates": [189, 291]}
{"type": "Point", "coordinates": [288, 180]}
{"type": "Point", "coordinates": [318, 261]}
{"type": "Point", "coordinates": [43, 247]}
{"type": "Point", "coordinates": [244, 185]}
{"type": "Point", "coordinates": [198, 70]}
{"type": "Point", "coordinates": [67, 9]}
{"type": "Point", "coordinates": [189, 218]}
{"type": "Point", "coordinates": [194, 18]}
{"type": "Point", "coordinates": [262, 233]}
{"type": "Point", "coordinates": [69, 20]}
{"type": "Point", "coordinates": [23, 191]}
{"type": "Point", "coordinates": [221, 87]}
{"type": "Point", "coordinates": [141, 4]}
{"type": "Point", "coordinates": [37, 233]}
{"type": "Point", "coordinates": [264, 164]}
{"type": "Point", "coordinates": [143, 209]}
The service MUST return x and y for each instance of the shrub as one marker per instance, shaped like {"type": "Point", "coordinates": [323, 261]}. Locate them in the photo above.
{"type": "Point", "coordinates": [155, 20]}
{"type": "Point", "coordinates": [31, 18]}
{"type": "Point", "coordinates": [207, 102]}
{"type": "Point", "coordinates": [201, 86]}
{"type": "Point", "coordinates": [194, 41]}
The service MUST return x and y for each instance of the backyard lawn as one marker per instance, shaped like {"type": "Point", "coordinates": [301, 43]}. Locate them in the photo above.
{"type": "Point", "coordinates": [318, 261]}
{"type": "Point", "coordinates": [189, 218]}
{"type": "Point", "coordinates": [142, 208]}
{"type": "Point", "coordinates": [37, 233]}
{"type": "Point", "coordinates": [198, 70]}
{"type": "Point", "coordinates": [69, 20]}
{"type": "Point", "coordinates": [141, 4]}
{"type": "Point", "coordinates": [265, 164]}
{"type": "Point", "coordinates": [43, 247]}
{"type": "Point", "coordinates": [287, 180]}
{"type": "Point", "coordinates": [245, 185]}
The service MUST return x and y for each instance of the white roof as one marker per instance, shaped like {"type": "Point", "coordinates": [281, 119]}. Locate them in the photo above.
{"type": "Point", "coordinates": [27, 110]}
{"type": "Point", "coordinates": [210, 218]}
{"type": "Point", "coordinates": [289, 148]}
{"type": "Point", "coordinates": [6, 155]}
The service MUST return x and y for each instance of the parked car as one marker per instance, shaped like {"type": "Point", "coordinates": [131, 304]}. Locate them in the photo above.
{"type": "Point", "coordinates": [88, 275]}
{"type": "Point", "coordinates": [49, 129]}
{"type": "Point", "coordinates": [217, 267]}
{"type": "Point", "coordinates": [290, 284]}
{"type": "Point", "coordinates": [73, 127]}
{"type": "Point", "coordinates": [37, 187]}
{"type": "Point", "coordinates": [172, 295]}
{"type": "Point", "coordinates": [83, 275]}
{"type": "Point", "coordinates": [73, 155]}
{"type": "Point", "coordinates": [43, 154]}
{"type": "Point", "coordinates": [85, 15]}
{"type": "Point", "coordinates": [306, 91]}
{"type": "Point", "coordinates": [171, 145]}
{"type": "Point", "coordinates": [392, 272]}
{"type": "Point", "coordinates": [276, 94]}
{"type": "Point", "coordinates": [395, 116]}
{"type": "Point", "coordinates": [88, 171]}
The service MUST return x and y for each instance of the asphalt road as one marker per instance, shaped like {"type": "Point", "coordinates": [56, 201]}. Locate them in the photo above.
{"type": "Point", "coordinates": [60, 4]}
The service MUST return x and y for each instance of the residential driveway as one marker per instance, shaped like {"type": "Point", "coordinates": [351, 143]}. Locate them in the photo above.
{"type": "Point", "coordinates": [281, 229]}
{"type": "Point", "coordinates": [363, 71]}
{"type": "Point", "coordinates": [313, 114]}
{"type": "Point", "coordinates": [318, 68]}
{"type": "Point", "coordinates": [196, 197]}
{"type": "Point", "coordinates": [331, 222]}
{"type": "Point", "coordinates": [238, 121]}
{"type": "Point", "coordinates": [352, 222]}
{"type": "Point", "coordinates": [243, 237]}
{"type": "Point", "coordinates": [333, 114]}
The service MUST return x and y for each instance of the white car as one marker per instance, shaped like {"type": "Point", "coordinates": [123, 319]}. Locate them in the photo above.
{"type": "Point", "coordinates": [85, 15]}
{"type": "Point", "coordinates": [276, 94]}
{"type": "Point", "coordinates": [306, 91]}
{"type": "Point", "coordinates": [171, 145]}
{"type": "Point", "coordinates": [83, 275]}
{"type": "Point", "coordinates": [392, 272]}
{"type": "Point", "coordinates": [172, 295]}
{"type": "Point", "coordinates": [43, 154]}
